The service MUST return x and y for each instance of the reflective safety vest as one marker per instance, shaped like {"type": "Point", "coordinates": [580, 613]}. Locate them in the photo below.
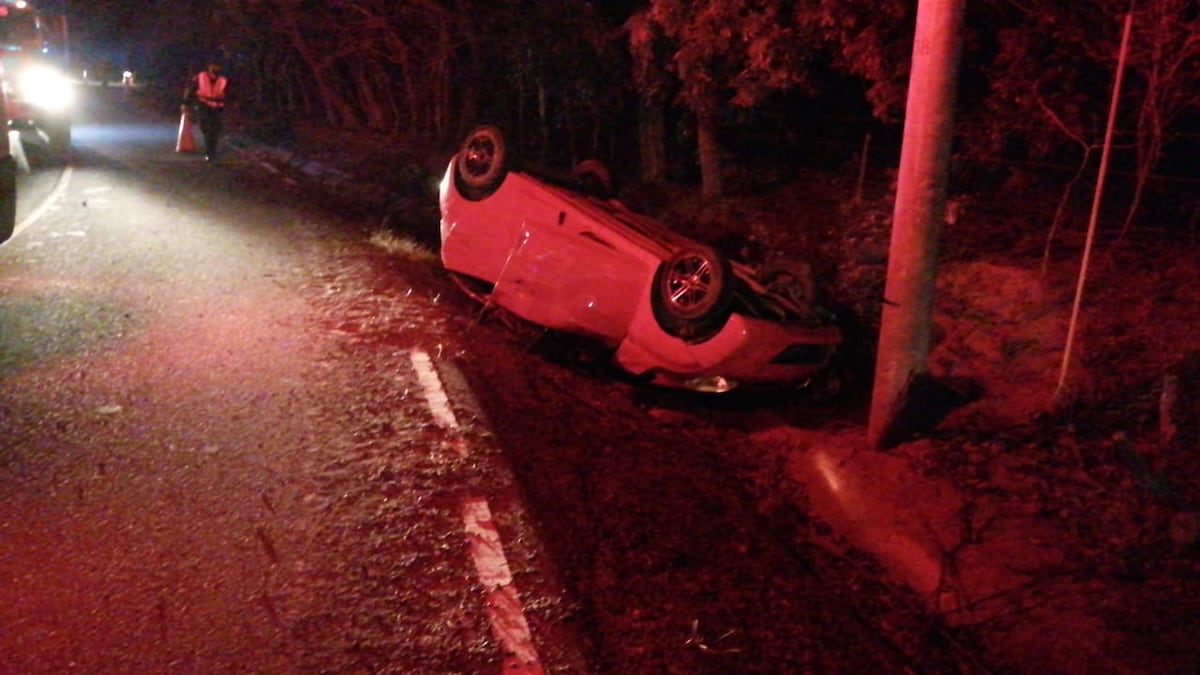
{"type": "Point", "coordinates": [210, 90]}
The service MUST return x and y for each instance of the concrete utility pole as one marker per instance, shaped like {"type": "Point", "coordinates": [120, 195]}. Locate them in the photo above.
{"type": "Point", "coordinates": [919, 210]}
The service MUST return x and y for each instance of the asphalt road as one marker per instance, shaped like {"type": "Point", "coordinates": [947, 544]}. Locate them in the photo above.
{"type": "Point", "coordinates": [236, 436]}
{"type": "Point", "coordinates": [196, 474]}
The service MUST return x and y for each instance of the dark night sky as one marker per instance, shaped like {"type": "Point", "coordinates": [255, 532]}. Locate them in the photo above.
{"type": "Point", "coordinates": [103, 26]}
{"type": "Point", "coordinates": [107, 17]}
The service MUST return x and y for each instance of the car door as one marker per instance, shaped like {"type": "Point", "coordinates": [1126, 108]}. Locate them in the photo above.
{"type": "Point", "coordinates": [571, 277]}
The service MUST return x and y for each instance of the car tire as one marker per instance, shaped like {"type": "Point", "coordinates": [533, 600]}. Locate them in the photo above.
{"type": "Point", "coordinates": [792, 279]}
{"type": "Point", "coordinates": [8, 197]}
{"type": "Point", "coordinates": [691, 293]}
{"type": "Point", "coordinates": [593, 178]}
{"type": "Point", "coordinates": [481, 163]}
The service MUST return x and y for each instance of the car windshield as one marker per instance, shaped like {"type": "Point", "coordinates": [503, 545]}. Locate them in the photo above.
{"type": "Point", "coordinates": [18, 29]}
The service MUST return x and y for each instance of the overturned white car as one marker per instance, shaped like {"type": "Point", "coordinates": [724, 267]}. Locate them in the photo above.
{"type": "Point", "coordinates": [673, 311]}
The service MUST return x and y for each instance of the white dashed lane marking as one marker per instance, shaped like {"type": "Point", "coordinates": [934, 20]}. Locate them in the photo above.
{"type": "Point", "coordinates": [505, 613]}
{"type": "Point", "coordinates": [435, 395]}
{"type": "Point", "coordinates": [63, 181]}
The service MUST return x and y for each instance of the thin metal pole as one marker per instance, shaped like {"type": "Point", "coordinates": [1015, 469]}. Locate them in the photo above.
{"type": "Point", "coordinates": [1091, 233]}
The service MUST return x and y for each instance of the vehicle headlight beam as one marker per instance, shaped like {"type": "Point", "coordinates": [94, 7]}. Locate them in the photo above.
{"type": "Point", "coordinates": [46, 88]}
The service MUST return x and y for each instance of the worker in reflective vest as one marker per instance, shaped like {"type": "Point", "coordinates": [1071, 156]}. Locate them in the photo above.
{"type": "Point", "coordinates": [206, 91]}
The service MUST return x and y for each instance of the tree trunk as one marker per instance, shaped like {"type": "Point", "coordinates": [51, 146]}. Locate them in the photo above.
{"type": "Point", "coordinates": [440, 81]}
{"type": "Point", "coordinates": [336, 110]}
{"type": "Point", "coordinates": [543, 106]}
{"type": "Point", "coordinates": [1148, 148]}
{"type": "Point", "coordinates": [366, 95]}
{"type": "Point", "coordinates": [709, 152]}
{"type": "Point", "coordinates": [652, 137]}
{"type": "Point", "coordinates": [919, 209]}
{"type": "Point", "coordinates": [1064, 202]}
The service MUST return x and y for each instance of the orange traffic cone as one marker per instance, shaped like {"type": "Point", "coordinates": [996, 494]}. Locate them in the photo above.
{"type": "Point", "coordinates": [185, 142]}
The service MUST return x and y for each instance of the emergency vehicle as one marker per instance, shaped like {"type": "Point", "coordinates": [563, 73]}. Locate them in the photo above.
{"type": "Point", "coordinates": [33, 49]}
{"type": "Point", "coordinates": [8, 181]}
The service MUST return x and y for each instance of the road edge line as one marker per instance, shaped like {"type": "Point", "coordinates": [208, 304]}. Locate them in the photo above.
{"type": "Point", "coordinates": [37, 213]}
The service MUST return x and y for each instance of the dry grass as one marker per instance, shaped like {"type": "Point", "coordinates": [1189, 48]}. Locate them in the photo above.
{"type": "Point", "coordinates": [403, 246]}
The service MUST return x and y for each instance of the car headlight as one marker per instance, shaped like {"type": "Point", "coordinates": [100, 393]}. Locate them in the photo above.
{"type": "Point", "coordinates": [711, 384]}
{"type": "Point", "coordinates": [45, 87]}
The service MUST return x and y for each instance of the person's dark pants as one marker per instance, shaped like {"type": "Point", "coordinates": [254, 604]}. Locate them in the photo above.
{"type": "Point", "coordinates": [210, 125]}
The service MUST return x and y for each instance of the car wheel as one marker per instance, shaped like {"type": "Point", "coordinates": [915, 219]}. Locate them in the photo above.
{"type": "Point", "coordinates": [792, 280]}
{"type": "Point", "coordinates": [691, 293]}
{"type": "Point", "coordinates": [481, 163]}
{"type": "Point", "coordinates": [593, 178]}
{"type": "Point", "coordinates": [8, 197]}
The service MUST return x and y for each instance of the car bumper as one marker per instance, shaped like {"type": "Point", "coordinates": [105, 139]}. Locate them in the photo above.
{"type": "Point", "coordinates": [747, 352]}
